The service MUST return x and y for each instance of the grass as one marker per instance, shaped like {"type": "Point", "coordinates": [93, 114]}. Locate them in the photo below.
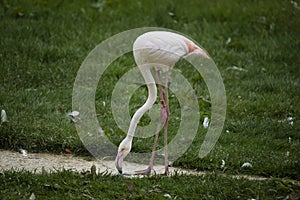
{"type": "Point", "coordinates": [71, 185]}
{"type": "Point", "coordinates": [43, 44]}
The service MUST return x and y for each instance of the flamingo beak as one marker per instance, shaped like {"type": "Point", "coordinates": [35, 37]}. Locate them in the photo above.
{"type": "Point", "coordinates": [119, 161]}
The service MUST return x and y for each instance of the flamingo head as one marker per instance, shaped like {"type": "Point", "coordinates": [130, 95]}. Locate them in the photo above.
{"type": "Point", "coordinates": [123, 150]}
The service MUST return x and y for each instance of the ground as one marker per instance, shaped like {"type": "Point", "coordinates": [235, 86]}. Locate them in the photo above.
{"type": "Point", "coordinates": [255, 45]}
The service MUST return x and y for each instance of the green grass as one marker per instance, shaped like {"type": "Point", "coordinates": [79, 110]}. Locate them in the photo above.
{"type": "Point", "coordinates": [42, 45]}
{"type": "Point", "coordinates": [71, 185]}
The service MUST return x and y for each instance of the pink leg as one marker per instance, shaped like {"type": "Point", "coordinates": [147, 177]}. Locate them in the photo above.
{"type": "Point", "coordinates": [161, 119]}
{"type": "Point", "coordinates": [150, 168]}
{"type": "Point", "coordinates": [166, 123]}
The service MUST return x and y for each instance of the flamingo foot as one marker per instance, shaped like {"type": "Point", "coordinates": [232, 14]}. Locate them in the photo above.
{"type": "Point", "coordinates": [143, 172]}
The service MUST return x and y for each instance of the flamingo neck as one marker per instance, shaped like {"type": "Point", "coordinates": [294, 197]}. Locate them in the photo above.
{"type": "Point", "coordinates": [152, 93]}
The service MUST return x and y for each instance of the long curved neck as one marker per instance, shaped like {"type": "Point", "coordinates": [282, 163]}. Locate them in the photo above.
{"type": "Point", "coordinates": [152, 94]}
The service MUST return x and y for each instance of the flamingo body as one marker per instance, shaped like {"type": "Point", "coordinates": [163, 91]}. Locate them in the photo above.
{"type": "Point", "coordinates": [159, 49]}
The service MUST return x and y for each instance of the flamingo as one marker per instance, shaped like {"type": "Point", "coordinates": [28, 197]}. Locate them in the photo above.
{"type": "Point", "coordinates": [161, 50]}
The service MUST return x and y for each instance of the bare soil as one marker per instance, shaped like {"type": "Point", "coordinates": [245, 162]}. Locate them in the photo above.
{"type": "Point", "coordinates": [38, 162]}
{"type": "Point", "coordinates": [42, 162]}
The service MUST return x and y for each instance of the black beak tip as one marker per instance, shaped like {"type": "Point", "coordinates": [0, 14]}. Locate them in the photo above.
{"type": "Point", "coordinates": [120, 171]}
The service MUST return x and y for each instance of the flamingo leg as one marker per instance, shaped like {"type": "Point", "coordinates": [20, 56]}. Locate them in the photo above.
{"type": "Point", "coordinates": [166, 109]}
{"type": "Point", "coordinates": [151, 164]}
{"type": "Point", "coordinates": [162, 117]}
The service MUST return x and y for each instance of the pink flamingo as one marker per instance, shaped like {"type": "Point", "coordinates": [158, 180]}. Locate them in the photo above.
{"type": "Point", "coordinates": [162, 50]}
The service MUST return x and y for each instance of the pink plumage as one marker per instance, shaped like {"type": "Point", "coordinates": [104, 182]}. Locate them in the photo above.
{"type": "Point", "coordinates": [159, 49]}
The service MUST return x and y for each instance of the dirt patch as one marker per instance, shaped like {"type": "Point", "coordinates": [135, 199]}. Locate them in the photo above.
{"type": "Point", "coordinates": [39, 162]}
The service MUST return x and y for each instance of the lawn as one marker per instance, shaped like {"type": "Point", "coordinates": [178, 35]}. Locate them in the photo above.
{"type": "Point", "coordinates": [255, 45]}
